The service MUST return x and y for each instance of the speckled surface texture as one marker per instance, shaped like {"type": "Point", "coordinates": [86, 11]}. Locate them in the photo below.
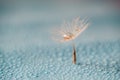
{"type": "Point", "coordinates": [27, 51]}
{"type": "Point", "coordinates": [95, 61]}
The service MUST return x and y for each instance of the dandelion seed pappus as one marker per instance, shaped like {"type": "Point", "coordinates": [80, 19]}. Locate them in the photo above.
{"type": "Point", "coordinates": [70, 31]}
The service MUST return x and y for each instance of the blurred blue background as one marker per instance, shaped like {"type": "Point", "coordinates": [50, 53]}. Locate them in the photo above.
{"type": "Point", "coordinates": [25, 22]}
{"type": "Point", "coordinates": [27, 51]}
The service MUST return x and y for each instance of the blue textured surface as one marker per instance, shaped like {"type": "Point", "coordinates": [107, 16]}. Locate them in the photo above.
{"type": "Point", "coordinates": [95, 61]}
{"type": "Point", "coordinates": [27, 51]}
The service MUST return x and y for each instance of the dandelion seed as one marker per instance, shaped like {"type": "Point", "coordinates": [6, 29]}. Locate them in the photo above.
{"type": "Point", "coordinates": [70, 31]}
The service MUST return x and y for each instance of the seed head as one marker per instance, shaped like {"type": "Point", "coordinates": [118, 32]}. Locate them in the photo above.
{"type": "Point", "coordinates": [70, 31]}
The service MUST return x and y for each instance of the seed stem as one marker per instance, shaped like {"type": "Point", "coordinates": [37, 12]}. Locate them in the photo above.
{"type": "Point", "coordinates": [74, 54]}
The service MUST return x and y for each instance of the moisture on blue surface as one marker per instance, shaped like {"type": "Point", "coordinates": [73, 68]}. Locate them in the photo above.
{"type": "Point", "coordinates": [95, 61]}
{"type": "Point", "coordinates": [27, 51]}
